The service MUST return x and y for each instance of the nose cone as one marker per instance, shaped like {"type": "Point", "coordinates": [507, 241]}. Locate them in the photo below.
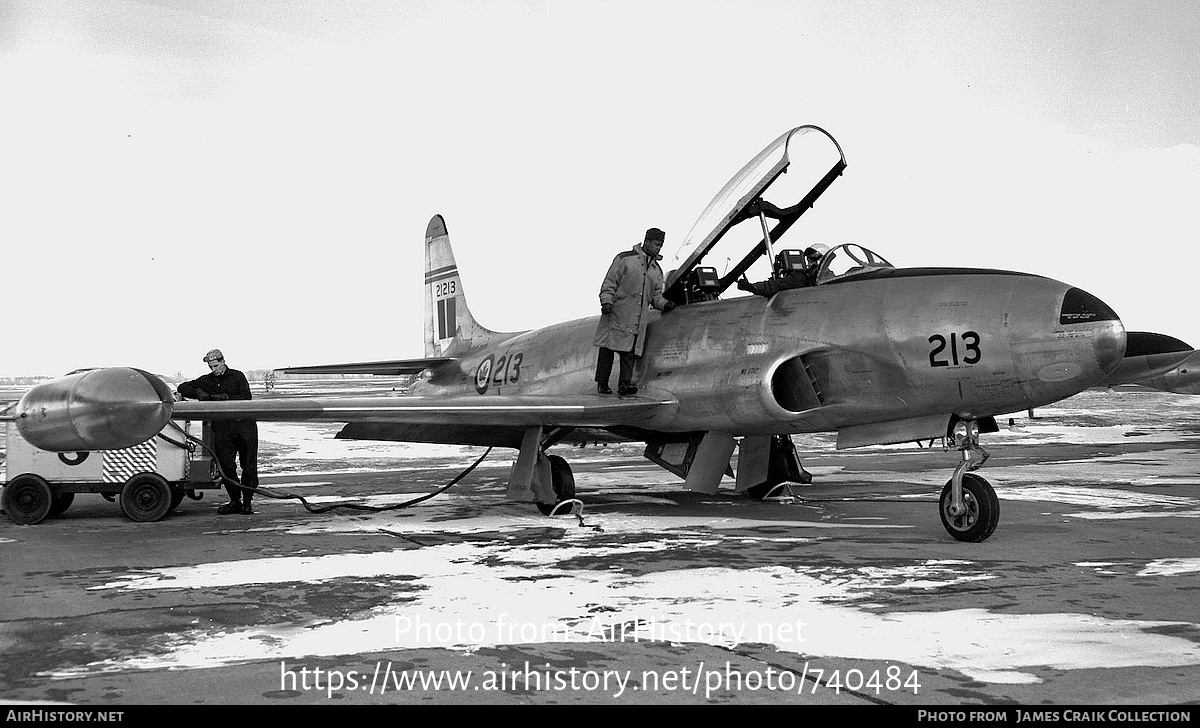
{"type": "Point", "coordinates": [1109, 346]}
{"type": "Point", "coordinates": [101, 409]}
{"type": "Point", "coordinates": [1084, 315]}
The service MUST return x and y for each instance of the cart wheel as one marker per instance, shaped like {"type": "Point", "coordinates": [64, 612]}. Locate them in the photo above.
{"type": "Point", "coordinates": [176, 498]}
{"type": "Point", "coordinates": [60, 503]}
{"type": "Point", "coordinates": [27, 499]}
{"type": "Point", "coordinates": [146, 497]}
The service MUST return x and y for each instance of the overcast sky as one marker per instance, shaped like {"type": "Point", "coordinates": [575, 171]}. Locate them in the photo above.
{"type": "Point", "coordinates": [257, 176]}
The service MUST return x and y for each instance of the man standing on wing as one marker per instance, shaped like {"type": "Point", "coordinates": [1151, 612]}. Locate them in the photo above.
{"type": "Point", "coordinates": [633, 284]}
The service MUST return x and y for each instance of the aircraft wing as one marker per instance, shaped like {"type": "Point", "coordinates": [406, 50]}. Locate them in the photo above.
{"type": "Point", "coordinates": [116, 407]}
{"type": "Point", "coordinates": [390, 367]}
{"type": "Point", "coordinates": [579, 410]}
{"type": "Point", "coordinates": [487, 421]}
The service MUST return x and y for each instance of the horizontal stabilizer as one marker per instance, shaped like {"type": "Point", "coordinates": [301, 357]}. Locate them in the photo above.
{"type": "Point", "coordinates": [392, 367]}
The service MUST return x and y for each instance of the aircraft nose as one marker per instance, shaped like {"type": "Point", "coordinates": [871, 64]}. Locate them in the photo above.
{"type": "Point", "coordinates": [1083, 310]}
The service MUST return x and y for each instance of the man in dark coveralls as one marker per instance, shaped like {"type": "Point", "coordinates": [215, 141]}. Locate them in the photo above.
{"type": "Point", "coordinates": [231, 438]}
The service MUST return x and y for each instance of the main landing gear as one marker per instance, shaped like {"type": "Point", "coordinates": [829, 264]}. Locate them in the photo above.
{"type": "Point", "coordinates": [544, 479]}
{"type": "Point", "coordinates": [968, 505]}
{"type": "Point", "coordinates": [563, 482]}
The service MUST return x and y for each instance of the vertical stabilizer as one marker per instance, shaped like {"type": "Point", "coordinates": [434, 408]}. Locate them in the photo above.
{"type": "Point", "coordinates": [449, 326]}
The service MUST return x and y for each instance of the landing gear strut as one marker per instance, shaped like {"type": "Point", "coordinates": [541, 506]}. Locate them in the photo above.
{"type": "Point", "coordinates": [968, 504]}
{"type": "Point", "coordinates": [783, 467]}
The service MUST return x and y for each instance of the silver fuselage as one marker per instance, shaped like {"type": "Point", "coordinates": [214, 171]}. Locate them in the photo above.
{"type": "Point", "coordinates": [900, 344]}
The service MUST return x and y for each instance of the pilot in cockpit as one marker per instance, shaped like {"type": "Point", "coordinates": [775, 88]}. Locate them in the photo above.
{"type": "Point", "coordinates": [789, 276]}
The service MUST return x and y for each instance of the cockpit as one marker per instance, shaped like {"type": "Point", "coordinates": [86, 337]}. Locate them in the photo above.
{"type": "Point", "coordinates": [849, 259]}
{"type": "Point", "coordinates": [841, 262]}
{"type": "Point", "coordinates": [745, 222]}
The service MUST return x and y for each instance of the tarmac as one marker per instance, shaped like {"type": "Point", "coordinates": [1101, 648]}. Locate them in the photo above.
{"type": "Point", "coordinates": [844, 592]}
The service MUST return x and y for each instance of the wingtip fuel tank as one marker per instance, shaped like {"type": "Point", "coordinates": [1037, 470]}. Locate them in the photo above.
{"type": "Point", "coordinates": [97, 409]}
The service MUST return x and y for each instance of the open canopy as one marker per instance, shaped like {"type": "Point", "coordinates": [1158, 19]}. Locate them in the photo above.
{"type": "Point", "coordinates": [753, 210]}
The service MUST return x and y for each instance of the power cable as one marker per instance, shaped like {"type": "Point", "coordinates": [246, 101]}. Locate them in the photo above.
{"type": "Point", "coordinates": [325, 509]}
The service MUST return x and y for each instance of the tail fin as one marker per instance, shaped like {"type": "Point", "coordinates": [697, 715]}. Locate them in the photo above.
{"type": "Point", "coordinates": [449, 326]}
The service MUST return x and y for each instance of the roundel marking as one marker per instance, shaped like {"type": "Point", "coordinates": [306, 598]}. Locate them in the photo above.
{"type": "Point", "coordinates": [75, 459]}
{"type": "Point", "coordinates": [483, 375]}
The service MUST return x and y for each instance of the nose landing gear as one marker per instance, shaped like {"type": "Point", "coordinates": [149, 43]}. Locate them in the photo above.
{"type": "Point", "coordinates": [968, 505]}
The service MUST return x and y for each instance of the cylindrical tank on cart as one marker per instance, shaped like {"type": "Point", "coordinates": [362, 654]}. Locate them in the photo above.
{"type": "Point", "coordinates": [97, 409]}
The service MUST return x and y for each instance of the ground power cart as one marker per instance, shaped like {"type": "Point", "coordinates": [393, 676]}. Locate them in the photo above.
{"type": "Point", "coordinates": [149, 480]}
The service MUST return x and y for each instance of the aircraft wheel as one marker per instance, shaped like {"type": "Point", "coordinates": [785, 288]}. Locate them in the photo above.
{"type": "Point", "coordinates": [563, 481]}
{"type": "Point", "coordinates": [982, 514]}
{"type": "Point", "coordinates": [60, 504]}
{"type": "Point", "coordinates": [146, 497]}
{"type": "Point", "coordinates": [27, 499]}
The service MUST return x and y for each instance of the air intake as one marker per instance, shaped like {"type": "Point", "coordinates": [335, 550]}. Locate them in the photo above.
{"type": "Point", "coordinates": [794, 386]}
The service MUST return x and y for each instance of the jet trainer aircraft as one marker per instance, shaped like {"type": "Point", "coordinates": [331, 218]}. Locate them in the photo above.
{"type": "Point", "coordinates": [1157, 361]}
{"type": "Point", "coordinates": [875, 353]}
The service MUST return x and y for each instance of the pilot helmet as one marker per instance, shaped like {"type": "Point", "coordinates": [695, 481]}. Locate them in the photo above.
{"type": "Point", "coordinates": [816, 251]}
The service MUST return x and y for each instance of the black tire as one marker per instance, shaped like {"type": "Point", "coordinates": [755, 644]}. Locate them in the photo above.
{"type": "Point", "coordinates": [28, 499]}
{"type": "Point", "coordinates": [177, 495]}
{"type": "Point", "coordinates": [564, 483]}
{"type": "Point", "coordinates": [983, 510]}
{"type": "Point", "coordinates": [60, 503]}
{"type": "Point", "coordinates": [146, 497]}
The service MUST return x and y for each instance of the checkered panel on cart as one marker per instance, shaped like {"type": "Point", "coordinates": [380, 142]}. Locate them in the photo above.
{"type": "Point", "coordinates": [121, 465]}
